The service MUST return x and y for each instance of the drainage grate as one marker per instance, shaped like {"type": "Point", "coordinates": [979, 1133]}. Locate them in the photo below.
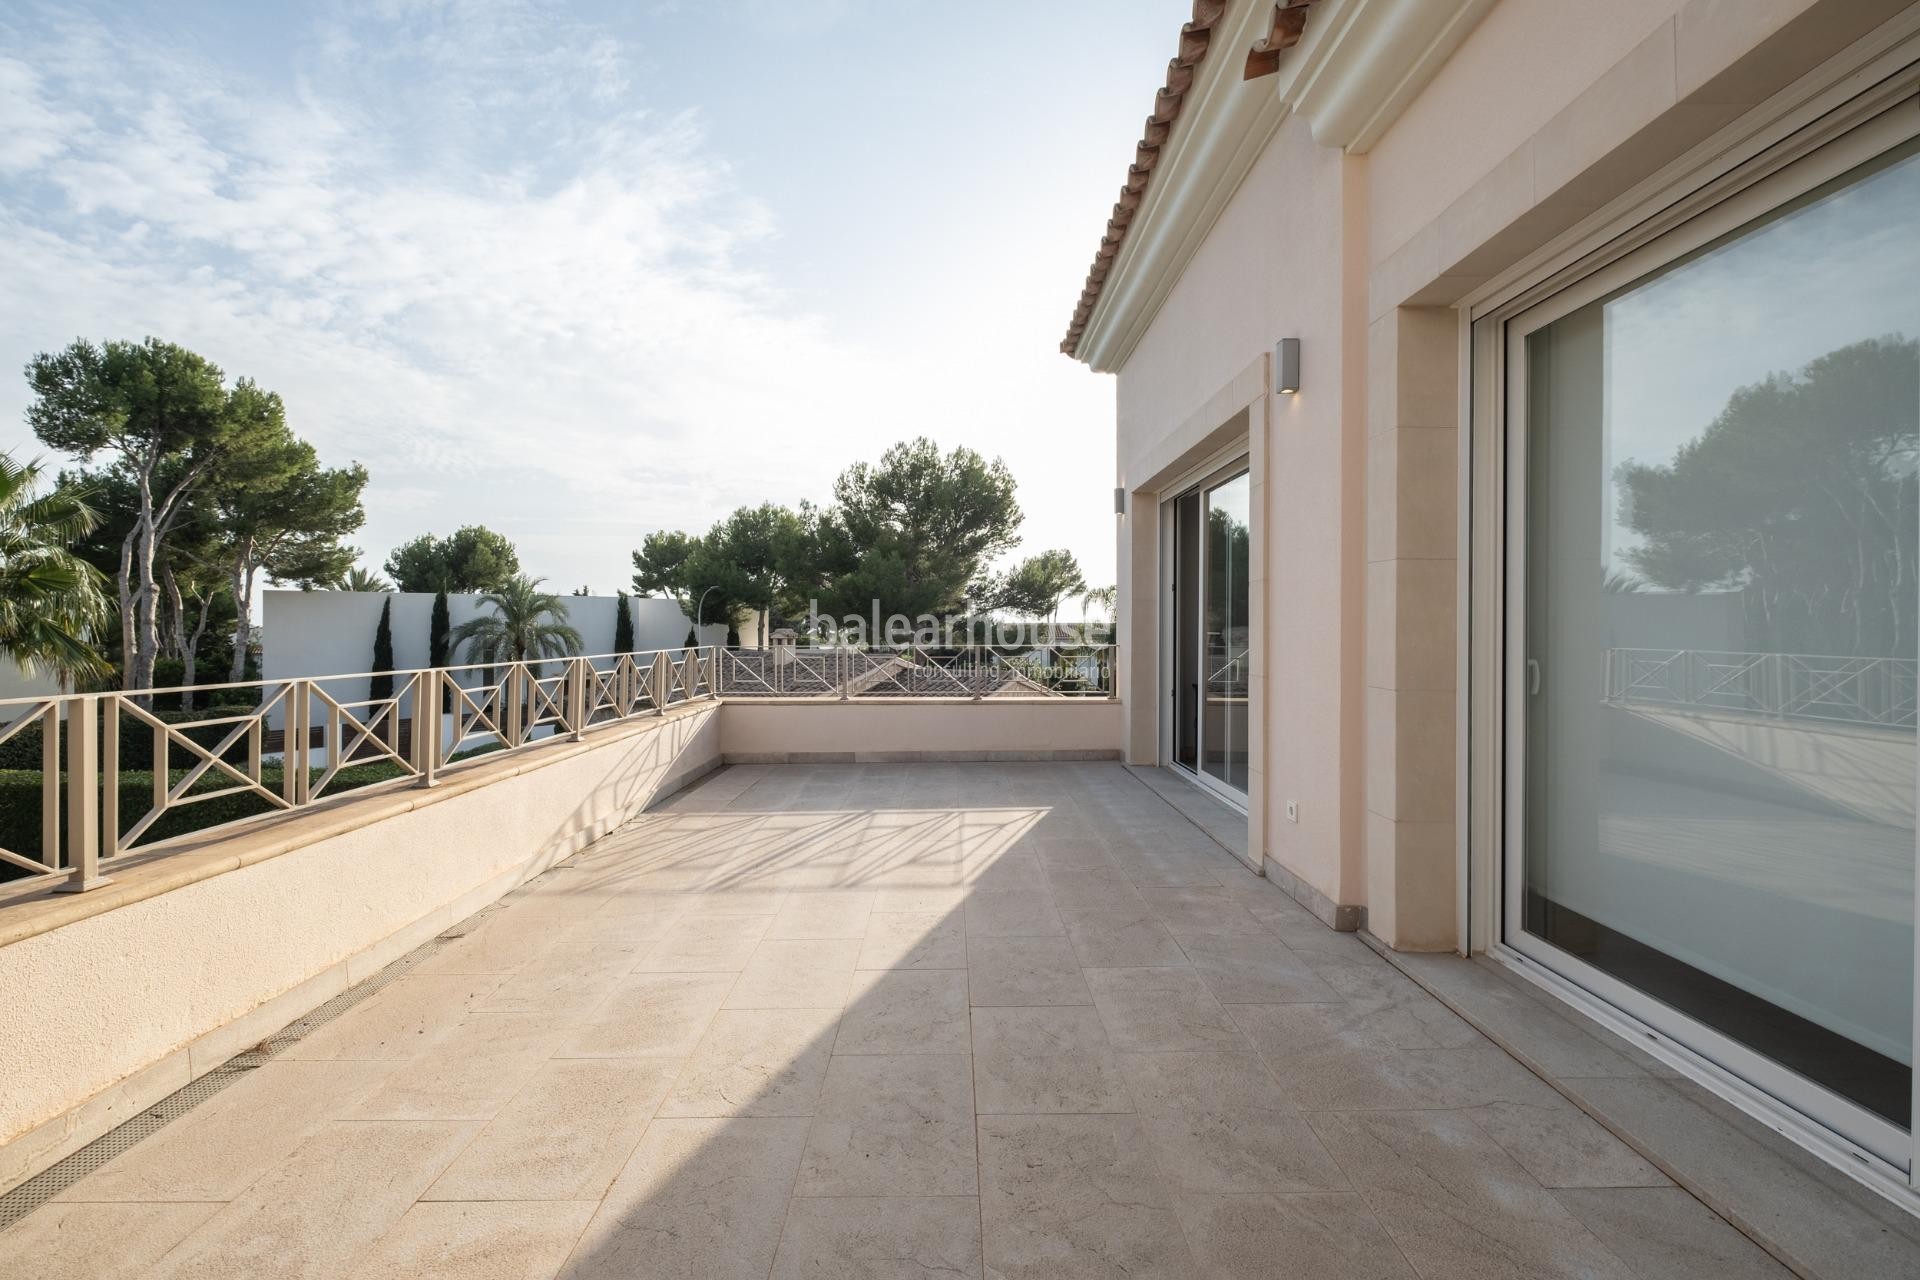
{"type": "Point", "coordinates": [51, 1181]}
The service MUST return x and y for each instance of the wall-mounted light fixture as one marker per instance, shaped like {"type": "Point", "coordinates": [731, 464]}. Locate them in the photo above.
{"type": "Point", "coordinates": [1286, 366]}
{"type": "Point", "coordinates": [1119, 501]}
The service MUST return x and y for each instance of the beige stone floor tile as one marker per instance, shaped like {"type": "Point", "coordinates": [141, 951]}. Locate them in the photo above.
{"type": "Point", "coordinates": [1255, 970]}
{"type": "Point", "coordinates": [629, 921]}
{"type": "Point", "coordinates": [325, 1204]}
{"type": "Point", "coordinates": [832, 914]}
{"type": "Point", "coordinates": [698, 943]}
{"type": "Point", "coordinates": [503, 940]}
{"type": "Point", "coordinates": [1456, 1204]}
{"type": "Point", "coordinates": [906, 1011]}
{"type": "Point", "coordinates": [565, 1135]}
{"type": "Point", "coordinates": [1153, 1010]}
{"type": "Point", "coordinates": [469, 1073]}
{"type": "Point", "coordinates": [1562, 1146]}
{"type": "Point", "coordinates": [1025, 971]}
{"type": "Point", "coordinates": [1203, 912]}
{"type": "Point", "coordinates": [1012, 913]}
{"type": "Point", "coordinates": [1195, 869]}
{"type": "Point", "coordinates": [1324, 1064]}
{"type": "Point", "coordinates": [496, 1240]}
{"type": "Point", "coordinates": [880, 1239]}
{"type": "Point", "coordinates": [570, 977]}
{"type": "Point", "coordinates": [1119, 936]}
{"type": "Point", "coordinates": [1810, 1211]}
{"type": "Point", "coordinates": [1324, 1236]}
{"type": "Point", "coordinates": [699, 1200]}
{"type": "Point", "coordinates": [914, 940]}
{"type": "Point", "coordinates": [96, 1241]}
{"type": "Point", "coordinates": [1521, 1017]}
{"type": "Point", "coordinates": [650, 1015]}
{"type": "Point", "coordinates": [400, 1021]}
{"type": "Point", "coordinates": [925, 895]}
{"type": "Point", "coordinates": [1665, 1234]}
{"type": "Point", "coordinates": [810, 973]}
{"type": "Point", "coordinates": [1031, 1060]}
{"type": "Point", "coordinates": [1067, 1197]}
{"type": "Point", "coordinates": [1218, 1125]}
{"type": "Point", "coordinates": [892, 1126]}
{"type": "Point", "coordinates": [756, 1062]}
{"type": "Point", "coordinates": [1080, 889]}
{"type": "Point", "coordinates": [218, 1149]}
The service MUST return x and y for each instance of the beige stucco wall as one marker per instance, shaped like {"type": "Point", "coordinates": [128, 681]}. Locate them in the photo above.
{"type": "Point", "coordinates": [1276, 265]}
{"type": "Point", "coordinates": [1545, 113]}
{"type": "Point", "coordinates": [105, 1013]}
{"type": "Point", "coordinates": [761, 731]}
{"type": "Point", "coordinates": [1525, 61]}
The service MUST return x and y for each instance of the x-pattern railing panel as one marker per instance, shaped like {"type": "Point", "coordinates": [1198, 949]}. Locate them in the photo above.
{"type": "Point", "coordinates": [326, 735]}
{"type": "Point", "coordinates": [918, 671]}
{"type": "Point", "coordinates": [1872, 691]}
{"type": "Point", "coordinates": [46, 715]}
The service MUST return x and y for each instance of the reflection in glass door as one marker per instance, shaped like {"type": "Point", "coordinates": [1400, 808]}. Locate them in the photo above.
{"type": "Point", "coordinates": [1713, 702]}
{"type": "Point", "coordinates": [1212, 531]}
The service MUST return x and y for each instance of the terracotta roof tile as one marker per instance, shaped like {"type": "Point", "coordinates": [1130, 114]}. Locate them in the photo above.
{"type": "Point", "coordinates": [1196, 37]}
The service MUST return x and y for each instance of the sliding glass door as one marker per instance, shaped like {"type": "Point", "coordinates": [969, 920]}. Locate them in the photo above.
{"type": "Point", "coordinates": [1713, 578]}
{"type": "Point", "coordinates": [1211, 540]}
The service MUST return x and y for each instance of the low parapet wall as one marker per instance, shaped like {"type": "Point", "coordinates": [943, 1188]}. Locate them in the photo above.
{"type": "Point", "coordinates": [112, 999]}
{"type": "Point", "coordinates": [774, 730]}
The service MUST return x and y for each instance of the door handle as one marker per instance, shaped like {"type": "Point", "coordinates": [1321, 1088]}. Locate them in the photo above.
{"type": "Point", "coordinates": [1533, 676]}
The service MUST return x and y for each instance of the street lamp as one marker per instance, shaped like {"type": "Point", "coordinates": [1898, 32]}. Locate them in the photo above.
{"type": "Point", "coordinates": [699, 611]}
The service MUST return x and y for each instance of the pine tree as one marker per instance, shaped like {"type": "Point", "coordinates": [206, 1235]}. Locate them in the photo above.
{"type": "Point", "coordinates": [381, 686]}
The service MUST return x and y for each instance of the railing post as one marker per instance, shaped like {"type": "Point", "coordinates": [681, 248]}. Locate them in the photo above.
{"type": "Point", "coordinates": [577, 697]}
{"type": "Point", "coordinates": [659, 678]}
{"type": "Point", "coordinates": [292, 737]}
{"type": "Point", "coordinates": [713, 671]}
{"type": "Point", "coordinates": [110, 774]}
{"type": "Point", "coordinates": [83, 797]}
{"type": "Point", "coordinates": [510, 696]}
{"type": "Point", "coordinates": [426, 726]}
{"type": "Point", "coordinates": [50, 784]}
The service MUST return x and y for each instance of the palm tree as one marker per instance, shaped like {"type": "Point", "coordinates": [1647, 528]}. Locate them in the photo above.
{"type": "Point", "coordinates": [1103, 598]}
{"type": "Point", "coordinates": [51, 601]}
{"type": "Point", "coordinates": [358, 579]}
{"type": "Point", "coordinates": [527, 624]}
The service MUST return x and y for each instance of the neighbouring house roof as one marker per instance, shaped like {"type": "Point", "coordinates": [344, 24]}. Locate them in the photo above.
{"type": "Point", "coordinates": [1284, 28]}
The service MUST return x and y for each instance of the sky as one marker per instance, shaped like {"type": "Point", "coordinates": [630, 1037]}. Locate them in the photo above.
{"type": "Point", "coordinates": [580, 272]}
{"type": "Point", "coordinates": [1827, 274]}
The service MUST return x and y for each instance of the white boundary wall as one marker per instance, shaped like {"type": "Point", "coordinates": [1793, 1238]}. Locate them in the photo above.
{"type": "Point", "coordinates": [320, 633]}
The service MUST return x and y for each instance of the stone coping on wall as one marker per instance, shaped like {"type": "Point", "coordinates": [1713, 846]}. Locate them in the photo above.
{"type": "Point", "coordinates": [34, 907]}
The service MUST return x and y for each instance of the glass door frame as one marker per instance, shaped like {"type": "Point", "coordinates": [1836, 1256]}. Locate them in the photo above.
{"type": "Point", "coordinates": [1790, 1101]}
{"type": "Point", "coordinates": [1198, 485]}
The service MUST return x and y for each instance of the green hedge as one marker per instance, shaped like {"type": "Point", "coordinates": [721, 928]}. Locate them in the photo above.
{"type": "Point", "coordinates": [22, 751]}
{"type": "Point", "coordinates": [20, 801]}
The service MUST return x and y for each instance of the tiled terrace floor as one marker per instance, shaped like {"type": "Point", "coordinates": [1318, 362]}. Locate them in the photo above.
{"type": "Point", "coordinates": [877, 1021]}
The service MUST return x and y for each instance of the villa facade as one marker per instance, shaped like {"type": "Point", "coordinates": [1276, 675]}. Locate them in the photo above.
{"type": "Point", "coordinates": [1515, 455]}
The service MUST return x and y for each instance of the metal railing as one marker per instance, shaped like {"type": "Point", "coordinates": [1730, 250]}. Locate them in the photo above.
{"type": "Point", "coordinates": [297, 742]}
{"type": "Point", "coordinates": [1788, 686]}
{"type": "Point", "coordinates": [973, 672]}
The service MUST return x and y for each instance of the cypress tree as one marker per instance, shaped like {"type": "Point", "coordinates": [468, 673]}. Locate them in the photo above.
{"type": "Point", "coordinates": [440, 642]}
{"type": "Point", "coordinates": [439, 633]}
{"type": "Point", "coordinates": [622, 623]}
{"type": "Point", "coordinates": [381, 686]}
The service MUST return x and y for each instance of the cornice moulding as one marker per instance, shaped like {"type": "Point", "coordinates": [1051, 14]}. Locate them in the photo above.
{"type": "Point", "coordinates": [1355, 70]}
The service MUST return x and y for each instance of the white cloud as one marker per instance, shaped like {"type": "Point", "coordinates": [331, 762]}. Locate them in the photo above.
{"type": "Point", "coordinates": [475, 265]}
